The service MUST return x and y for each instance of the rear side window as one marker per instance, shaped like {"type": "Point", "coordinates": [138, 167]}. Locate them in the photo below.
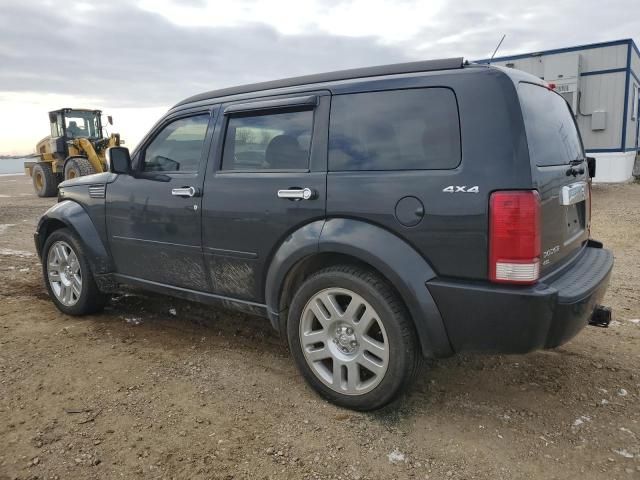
{"type": "Point", "coordinates": [415, 129]}
{"type": "Point", "coordinates": [551, 130]}
{"type": "Point", "coordinates": [269, 141]}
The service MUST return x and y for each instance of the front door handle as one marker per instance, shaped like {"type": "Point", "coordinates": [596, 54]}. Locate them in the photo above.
{"type": "Point", "coordinates": [297, 193]}
{"type": "Point", "coordinates": [185, 192]}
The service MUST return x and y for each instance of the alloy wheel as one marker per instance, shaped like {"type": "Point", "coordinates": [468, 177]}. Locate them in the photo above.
{"type": "Point", "coordinates": [344, 341]}
{"type": "Point", "coordinates": [64, 273]}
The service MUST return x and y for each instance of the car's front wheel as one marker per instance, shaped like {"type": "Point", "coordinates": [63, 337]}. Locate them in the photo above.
{"type": "Point", "coordinates": [352, 338]}
{"type": "Point", "coordinates": [67, 275]}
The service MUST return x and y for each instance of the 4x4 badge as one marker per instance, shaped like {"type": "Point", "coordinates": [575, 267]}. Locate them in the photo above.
{"type": "Point", "coordinates": [461, 189]}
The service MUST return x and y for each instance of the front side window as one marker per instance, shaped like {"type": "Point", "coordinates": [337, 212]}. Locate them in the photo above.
{"type": "Point", "coordinates": [268, 141]}
{"type": "Point", "coordinates": [417, 129]}
{"type": "Point", "coordinates": [178, 146]}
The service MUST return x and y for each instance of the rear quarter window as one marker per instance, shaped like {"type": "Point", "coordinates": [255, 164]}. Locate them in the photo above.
{"type": "Point", "coordinates": [551, 130]}
{"type": "Point", "coordinates": [417, 129]}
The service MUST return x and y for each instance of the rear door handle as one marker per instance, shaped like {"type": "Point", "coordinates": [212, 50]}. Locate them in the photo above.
{"type": "Point", "coordinates": [297, 193]}
{"type": "Point", "coordinates": [185, 192]}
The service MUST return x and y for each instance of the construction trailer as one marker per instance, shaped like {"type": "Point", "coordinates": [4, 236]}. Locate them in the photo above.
{"type": "Point", "coordinates": [601, 82]}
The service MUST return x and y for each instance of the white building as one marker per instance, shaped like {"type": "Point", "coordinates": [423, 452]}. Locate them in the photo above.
{"type": "Point", "coordinates": [601, 82]}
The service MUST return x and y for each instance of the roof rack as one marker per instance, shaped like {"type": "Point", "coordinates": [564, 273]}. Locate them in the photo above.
{"type": "Point", "coordinates": [396, 68]}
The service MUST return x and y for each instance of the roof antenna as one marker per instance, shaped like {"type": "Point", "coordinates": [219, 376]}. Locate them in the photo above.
{"type": "Point", "coordinates": [496, 50]}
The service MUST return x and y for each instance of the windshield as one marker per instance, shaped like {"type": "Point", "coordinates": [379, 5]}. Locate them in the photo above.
{"type": "Point", "coordinates": [79, 123]}
{"type": "Point", "coordinates": [552, 134]}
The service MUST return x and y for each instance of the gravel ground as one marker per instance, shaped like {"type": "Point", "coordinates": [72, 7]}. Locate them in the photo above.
{"type": "Point", "coordinates": [161, 388]}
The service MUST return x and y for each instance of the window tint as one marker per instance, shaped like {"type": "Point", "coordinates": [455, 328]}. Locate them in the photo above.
{"type": "Point", "coordinates": [394, 130]}
{"type": "Point", "coordinates": [178, 146]}
{"type": "Point", "coordinates": [274, 141]}
{"type": "Point", "coordinates": [551, 130]}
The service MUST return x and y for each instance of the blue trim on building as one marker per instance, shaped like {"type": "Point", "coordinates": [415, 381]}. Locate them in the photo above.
{"type": "Point", "coordinates": [603, 72]}
{"type": "Point", "coordinates": [625, 110]}
{"type": "Point", "coordinates": [611, 150]}
{"type": "Point", "coordinates": [627, 41]}
{"type": "Point", "coordinates": [637, 139]}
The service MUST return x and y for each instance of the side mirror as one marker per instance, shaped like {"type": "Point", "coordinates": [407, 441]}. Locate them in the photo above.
{"type": "Point", "coordinates": [110, 119]}
{"type": "Point", "coordinates": [591, 165]}
{"type": "Point", "coordinates": [119, 160]}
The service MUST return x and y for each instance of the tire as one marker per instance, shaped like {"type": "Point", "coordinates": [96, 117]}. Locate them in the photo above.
{"type": "Point", "coordinates": [77, 167]}
{"type": "Point", "coordinates": [45, 182]}
{"type": "Point", "coordinates": [336, 354]}
{"type": "Point", "coordinates": [82, 297]}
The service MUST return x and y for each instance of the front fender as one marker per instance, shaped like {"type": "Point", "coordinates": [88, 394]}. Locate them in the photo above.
{"type": "Point", "coordinates": [75, 218]}
{"type": "Point", "coordinates": [395, 259]}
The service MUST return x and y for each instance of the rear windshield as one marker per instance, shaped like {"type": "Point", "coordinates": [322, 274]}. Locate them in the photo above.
{"type": "Point", "coordinates": [551, 130]}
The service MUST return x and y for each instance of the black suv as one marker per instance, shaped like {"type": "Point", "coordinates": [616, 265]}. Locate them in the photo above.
{"type": "Point", "coordinates": [374, 215]}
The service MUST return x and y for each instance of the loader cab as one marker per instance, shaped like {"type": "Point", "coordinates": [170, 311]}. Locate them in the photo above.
{"type": "Point", "coordinates": [75, 123]}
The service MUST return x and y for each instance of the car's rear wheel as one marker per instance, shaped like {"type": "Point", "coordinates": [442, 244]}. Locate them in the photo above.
{"type": "Point", "coordinates": [352, 338]}
{"type": "Point", "coordinates": [67, 275]}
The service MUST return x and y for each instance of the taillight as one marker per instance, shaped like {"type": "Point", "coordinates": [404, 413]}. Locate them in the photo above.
{"type": "Point", "coordinates": [514, 237]}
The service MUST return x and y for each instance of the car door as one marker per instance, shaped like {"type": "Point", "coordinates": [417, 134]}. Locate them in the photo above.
{"type": "Point", "coordinates": [154, 214]}
{"type": "Point", "coordinates": [267, 180]}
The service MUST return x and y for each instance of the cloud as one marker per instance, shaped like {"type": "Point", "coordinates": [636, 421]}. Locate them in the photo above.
{"type": "Point", "coordinates": [127, 55]}
{"type": "Point", "coordinates": [140, 54]}
{"type": "Point", "coordinates": [132, 57]}
{"type": "Point", "coordinates": [473, 29]}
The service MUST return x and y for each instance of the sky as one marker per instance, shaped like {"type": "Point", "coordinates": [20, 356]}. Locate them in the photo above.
{"type": "Point", "coordinates": [134, 59]}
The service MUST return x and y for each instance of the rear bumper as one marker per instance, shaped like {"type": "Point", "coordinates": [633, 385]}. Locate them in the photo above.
{"type": "Point", "coordinates": [508, 319]}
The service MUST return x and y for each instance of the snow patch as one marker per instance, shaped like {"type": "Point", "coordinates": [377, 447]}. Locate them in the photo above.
{"type": "Point", "coordinates": [623, 452]}
{"type": "Point", "coordinates": [15, 253]}
{"type": "Point", "coordinates": [5, 226]}
{"type": "Point", "coordinates": [397, 457]}
{"type": "Point", "coordinates": [580, 420]}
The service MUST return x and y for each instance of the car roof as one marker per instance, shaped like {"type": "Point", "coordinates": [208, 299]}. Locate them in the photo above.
{"type": "Point", "coordinates": [380, 70]}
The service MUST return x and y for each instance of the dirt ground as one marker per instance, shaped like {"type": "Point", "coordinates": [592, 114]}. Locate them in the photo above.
{"type": "Point", "coordinates": [146, 391]}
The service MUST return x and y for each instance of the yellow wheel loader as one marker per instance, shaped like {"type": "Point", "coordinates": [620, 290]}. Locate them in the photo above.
{"type": "Point", "coordinates": [76, 147]}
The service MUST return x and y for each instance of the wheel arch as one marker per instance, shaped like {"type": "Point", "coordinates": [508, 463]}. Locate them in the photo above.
{"type": "Point", "coordinates": [348, 241]}
{"type": "Point", "coordinates": [71, 215]}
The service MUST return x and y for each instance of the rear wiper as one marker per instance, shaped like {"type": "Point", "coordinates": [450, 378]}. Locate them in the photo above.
{"type": "Point", "coordinates": [573, 170]}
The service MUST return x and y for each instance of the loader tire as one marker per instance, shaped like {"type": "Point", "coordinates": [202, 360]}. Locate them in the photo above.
{"type": "Point", "coordinates": [45, 182]}
{"type": "Point", "coordinates": [77, 167]}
